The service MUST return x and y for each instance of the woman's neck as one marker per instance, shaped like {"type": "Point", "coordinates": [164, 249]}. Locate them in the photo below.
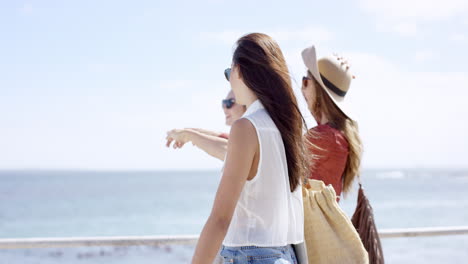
{"type": "Point", "coordinates": [250, 100]}
{"type": "Point", "coordinates": [323, 120]}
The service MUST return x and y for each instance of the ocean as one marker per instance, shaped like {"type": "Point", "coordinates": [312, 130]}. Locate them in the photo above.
{"type": "Point", "coordinates": [135, 203]}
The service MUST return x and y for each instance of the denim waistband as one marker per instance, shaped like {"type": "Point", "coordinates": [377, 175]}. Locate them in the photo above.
{"type": "Point", "coordinates": [255, 247]}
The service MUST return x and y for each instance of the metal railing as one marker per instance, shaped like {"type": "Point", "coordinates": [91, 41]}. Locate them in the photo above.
{"type": "Point", "coordinates": [16, 243]}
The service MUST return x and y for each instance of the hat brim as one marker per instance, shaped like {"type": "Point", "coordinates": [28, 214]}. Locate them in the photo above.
{"type": "Point", "coordinates": [309, 56]}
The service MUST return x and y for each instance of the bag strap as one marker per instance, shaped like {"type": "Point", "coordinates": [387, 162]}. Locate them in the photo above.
{"type": "Point", "coordinates": [359, 181]}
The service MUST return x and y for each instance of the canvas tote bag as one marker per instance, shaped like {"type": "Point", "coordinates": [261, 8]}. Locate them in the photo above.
{"type": "Point", "coordinates": [330, 237]}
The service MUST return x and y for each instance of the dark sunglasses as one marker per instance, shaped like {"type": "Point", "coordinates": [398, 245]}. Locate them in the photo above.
{"type": "Point", "coordinates": [228, 103]}
{"type": "Point", "coordinates": [227, 73]}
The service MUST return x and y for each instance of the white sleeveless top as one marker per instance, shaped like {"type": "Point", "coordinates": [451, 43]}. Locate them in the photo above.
{"type": "Point", "coordinates": [267, 214]}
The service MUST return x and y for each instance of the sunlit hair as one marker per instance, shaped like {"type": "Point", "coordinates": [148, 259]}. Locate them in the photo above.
{"type": "Point", "coordinates": [324, 106]}
{"type": "Point", "coordinates": [263, 69]}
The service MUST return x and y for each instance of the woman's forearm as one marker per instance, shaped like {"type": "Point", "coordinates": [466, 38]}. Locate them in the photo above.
{"type": "Point", "coordinates": [214, 146]}
{"type": "Point", "coordinates": [210, 241]}
{"type": "Point", "coordinates": [206, 132]}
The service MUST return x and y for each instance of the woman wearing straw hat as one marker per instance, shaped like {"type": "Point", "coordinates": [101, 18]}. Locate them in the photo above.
{"type": "Point", "coordinates": [336, 145]}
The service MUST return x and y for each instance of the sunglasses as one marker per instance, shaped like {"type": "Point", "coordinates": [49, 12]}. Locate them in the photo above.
{"type": "Point", "coordinates": [228, 103]}
{"type": "Point", "coordinates": [227, 73]}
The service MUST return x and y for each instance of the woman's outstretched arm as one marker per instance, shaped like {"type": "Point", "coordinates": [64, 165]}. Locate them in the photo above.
{"type": "Point", "coordinates": [207, 132]}
{"type": "Point", "coordinates": [242, 147]}
{"type": "Point", "coordinates": [213, 145]}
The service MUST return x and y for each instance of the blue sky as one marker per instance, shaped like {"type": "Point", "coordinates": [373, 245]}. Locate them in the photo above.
{"type": "Point", "coordinates": [96, 84]}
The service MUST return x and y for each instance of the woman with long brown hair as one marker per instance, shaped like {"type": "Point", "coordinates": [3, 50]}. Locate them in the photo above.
{"type": "Point", "coordinates": [258, 213]}
{"type": "Point", "coordinates": [335, 147]}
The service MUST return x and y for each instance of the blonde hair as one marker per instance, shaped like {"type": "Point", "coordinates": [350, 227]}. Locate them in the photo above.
{"type": "Point", "coordinates": [324, 106]}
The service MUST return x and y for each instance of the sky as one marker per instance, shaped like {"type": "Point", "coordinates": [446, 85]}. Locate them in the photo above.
{"type": "Point", "coordinates": [97, 84]}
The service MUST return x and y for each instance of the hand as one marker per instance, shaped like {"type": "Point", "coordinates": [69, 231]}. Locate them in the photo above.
{"type": "Point", "coordinates": [178, 136]}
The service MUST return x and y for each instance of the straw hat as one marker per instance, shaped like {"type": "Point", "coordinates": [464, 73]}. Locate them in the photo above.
{"type": "Point", "coordinates": [332, 73]}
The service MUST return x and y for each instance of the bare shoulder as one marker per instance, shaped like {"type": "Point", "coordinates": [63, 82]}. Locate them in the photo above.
{"type": "Point", "coordinates": [243, 131]}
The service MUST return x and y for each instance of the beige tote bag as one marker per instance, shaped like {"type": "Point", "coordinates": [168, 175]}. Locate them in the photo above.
{"type": "Point", "coordinates": [329, 234]}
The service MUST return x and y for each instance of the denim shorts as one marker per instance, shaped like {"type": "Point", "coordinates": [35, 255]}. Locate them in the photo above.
{"type": "Point", "coordinates": [259, 255]}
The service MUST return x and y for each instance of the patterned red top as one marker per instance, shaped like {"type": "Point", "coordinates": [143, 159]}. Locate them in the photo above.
{"type": "Point", "coordinates": [330, 161]}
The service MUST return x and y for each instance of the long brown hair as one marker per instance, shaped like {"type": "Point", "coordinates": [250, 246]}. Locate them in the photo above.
{"type": "Point", "coordinates": [263, 69]}
{"type": "Point", "coordinates": [324, 106]}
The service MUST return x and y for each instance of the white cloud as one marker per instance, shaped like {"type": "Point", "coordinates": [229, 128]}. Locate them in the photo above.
{"type": "Point", "coordinates": [406, 17]}
{"type": "Point", "coordinates": [407, 117]}
{"type": "Point", "coordinates": [26, 9]}
{"type": "Point", "coordinates": [225, 37]}
{"type": "Point", "coordinates": [424, 55]}
{"type": "Point", "coordinates": [307, 34]}
{"type": "Point", "coordinates": [417, 10]}
{"type": "Point", "coordinates": [315, 34]}
{"type": "Point", "coordinates": [459, 38]}
{"type": "Point", "coordinates": [405, 29]}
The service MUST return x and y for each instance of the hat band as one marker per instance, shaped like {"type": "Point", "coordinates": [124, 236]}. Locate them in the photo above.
{"type": "Point", "coordinates": [332, 87]}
